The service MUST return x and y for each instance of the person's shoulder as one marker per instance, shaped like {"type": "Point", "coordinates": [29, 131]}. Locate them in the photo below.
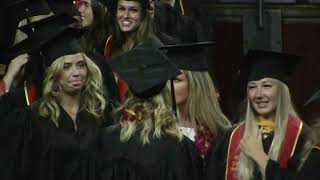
{"type": "Point", "coordinates": [110, 130]}
{"type": "Point", "coordinates": [153, 41]}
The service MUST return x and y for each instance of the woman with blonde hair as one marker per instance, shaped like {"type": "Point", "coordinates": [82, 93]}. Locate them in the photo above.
{"type": "Point", "coordinates": [199, 115]}
{"type": "Point", "coordinates": [268, 143]}
{"type": "Point", "coordinates": [54, 138]}
{"type": "Point", "coordinates": [147, 144]}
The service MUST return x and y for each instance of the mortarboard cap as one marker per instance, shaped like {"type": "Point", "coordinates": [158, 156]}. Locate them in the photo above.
{"type": "Point", "coordinates": [268, 64]}
{"type": "Point", "coordinates": [190, 57]}
{"type": "Point", "coordinates": [48, 27]}
{"type": "Point", "coordinates": [65, 43]}
{"type": "Point", "coordinates": [26, 46]}
{"type": "Point", "coordinates": [313, 98]}
{"type": "Point", "coordinates": [146, 70]}
{"type": "Point", "coordinates": [39, 33]}
{"type": "Point", "coordinates": [63, 7]}
{"type": "Point", "coordinates": [21, 9]}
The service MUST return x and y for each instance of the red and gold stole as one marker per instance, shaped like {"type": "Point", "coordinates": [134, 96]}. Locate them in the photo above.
{"type": "Point", "coordinates": [122, 84]}
{"type": "Point", "coordinates": [30, 92]}
{"type": "Point", "coordinates": [288, 146]}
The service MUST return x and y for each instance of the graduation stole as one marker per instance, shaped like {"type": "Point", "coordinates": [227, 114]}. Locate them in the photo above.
{"type": "Point", "coordinates": [108, 47]}
{"type": "Point", "coordinates": [122, 84]}
{"type": "Point", "coordinates": [30, 92]}
{"type": "Point", "coordinates": [288, 146]}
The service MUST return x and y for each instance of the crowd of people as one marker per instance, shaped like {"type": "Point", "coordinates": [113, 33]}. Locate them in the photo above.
{"type": "Point", "coordinates": [121, 90]}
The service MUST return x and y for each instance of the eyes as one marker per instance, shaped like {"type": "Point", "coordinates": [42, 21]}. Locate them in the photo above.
{"type": "Point", "coordinates": [79, 65]}
{"type": "Point", "coordinates": [79, 3]}
{"type": "Point", "coordinates": [130, 9]}
{"type": "Point", "coordinates": [264, 86]}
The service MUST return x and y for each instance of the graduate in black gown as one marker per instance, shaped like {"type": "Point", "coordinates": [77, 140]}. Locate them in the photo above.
{"type": "Point", "coordinates": [23, 79]}
{"type": "Point", "coordinates": [199, 115]}
{"type": "Point", "coordinates": [147, 144]}
{"type": "Point", "coordinates": [309, 167]}
{"type": "Point", "coordinates": [54, 138]}
{"type": "Point", "coordinates": [269, 142]}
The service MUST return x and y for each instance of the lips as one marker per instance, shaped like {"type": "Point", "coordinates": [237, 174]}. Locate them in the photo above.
{"type": "Point", "coordinates": [262, 104]}
{"type": "Point", "coordinates": [125, 23]}
{"type": "Point", "coordinates": [75, 82]}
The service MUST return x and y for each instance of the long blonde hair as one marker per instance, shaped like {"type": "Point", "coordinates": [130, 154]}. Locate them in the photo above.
{"type": "Point", "coordinates": [202, 103]}
{"type": "Point", "coordinates": [245, 165]}
{"type": "Point", "coordinates": [92, 99]}
{"type": "Point", "coordinates": [157, 120]}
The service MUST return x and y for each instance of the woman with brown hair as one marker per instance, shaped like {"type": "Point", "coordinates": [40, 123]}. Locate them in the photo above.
{"type": "Point", "coordinates": [133, 27]}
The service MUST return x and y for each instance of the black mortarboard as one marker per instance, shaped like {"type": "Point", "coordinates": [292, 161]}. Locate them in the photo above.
{"type": "Point", "coordinates": [146, 70]}
{"type": "Point", "coordinates": [21, 9]}
{"type": "Point", "coordinates": [313, 98]}
{"type": "Point", "coordinates": [268, 64]}
{"type": "Point", "coordinates": [65, 43]}
{"type": "Point", "coordinates": [63, 7]}
{"type": "Point", "coordinates": [48, 27]}
{"type": "Point", "coordinates": [26, 46]}
{"type": "Point", "coordinates": [190, 57]}
{"type": "Point", "coordinates": [39, 33]}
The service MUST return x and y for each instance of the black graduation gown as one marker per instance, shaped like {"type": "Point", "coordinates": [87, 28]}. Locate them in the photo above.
{"type": "Point", "coordinates": [310, 169]}
{"type": "Point", "coordinates": [11, 101]}
{"type": "Point", "coordinates": [33, 148]}
{"type": "Point", "coordinates": [217, 159]}
{"type": "Point", "coordinates": [162, 159]}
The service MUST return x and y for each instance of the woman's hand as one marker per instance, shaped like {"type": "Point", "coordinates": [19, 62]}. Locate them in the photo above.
{"type": "Point", "coordinates": [13, 69]}
{"type": "Point", "coordinates": [252, 147]}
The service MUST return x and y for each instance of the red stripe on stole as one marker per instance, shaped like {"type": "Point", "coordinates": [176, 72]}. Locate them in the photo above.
{"type": "Point", "coordinates": [287, 148]}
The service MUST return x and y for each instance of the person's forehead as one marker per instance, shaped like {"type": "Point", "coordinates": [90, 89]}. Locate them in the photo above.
{"type": "Point", "coordinates": [73, 58]}
{"type": "Point", "coordinates": [128, 3]}
{"type": "Point", "coordinates": [264, 80]}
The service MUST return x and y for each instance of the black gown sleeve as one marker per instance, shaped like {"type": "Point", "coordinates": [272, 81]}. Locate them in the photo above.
{"type": "Point", "coordinates": [275, 172]}
{"type": "Point", "coordinates": [217, 157]}
{"type": "Point", "coordinates": [185, 162]}
{"type": "Point", "coordinates": [15, 143]}
{"type": "Point", "coordinates": [310, 169]}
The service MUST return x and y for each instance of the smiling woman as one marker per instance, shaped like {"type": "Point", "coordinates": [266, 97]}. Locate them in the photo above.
{"type": "Point", "coordinates": [133, 24]}
{"type": "Point", "coordinates": [133, 28]}
{"type": "Point", "coordinates": [263, 95]}
{"type": "Point", "coordinates": [268, 144]}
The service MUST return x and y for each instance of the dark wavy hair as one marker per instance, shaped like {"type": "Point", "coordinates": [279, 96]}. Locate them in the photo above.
{"type": "Point", "coordinates": [143, 31]}
{"type": "Point", "coordinates": [100, 29]}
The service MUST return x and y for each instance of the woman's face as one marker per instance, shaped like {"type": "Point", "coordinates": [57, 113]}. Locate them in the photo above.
{"type": "Point", "coordinates": [74, 74]}
{"type": "Point", "coordinates": [86, 14]}
{"type": "Point", "coordinates": [129, 15]}
{"type": "Point", "coordinates": [263, 96]}
{"type": "Point", "coordinates": [151, 10]}
{"type": "Point", "coordinates": [181, 89]}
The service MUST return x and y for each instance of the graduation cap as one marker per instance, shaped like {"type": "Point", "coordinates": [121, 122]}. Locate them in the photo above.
{"type": "Point", "coordinates": [48, 27]}
{"type": "Point", "coordinates": [315, 97]}
{"type": "Point", "coordinates": [65, 43]}
{"type": "Point", "coordinates": [190, 57]}
{"type": "Point", "coordinates": [268, 64]}
{"type": "Point", "coordinates": [63, 7]}
{"type": "Point", "coordinates": [146, 70]}
{"type": "Point", "coordinates": [39, 33]}
{"type": "Point", "coordinates": [21, 9]}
